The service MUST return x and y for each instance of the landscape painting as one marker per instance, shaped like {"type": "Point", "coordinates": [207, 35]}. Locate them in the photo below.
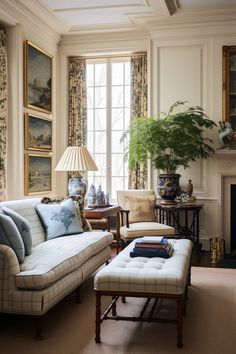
{"type": "Point", "coordinates": [38, 78]}
{"type": "Point", "coordinates": [38, 133]}
{"type": "Point", "coordinates": [38, 174]}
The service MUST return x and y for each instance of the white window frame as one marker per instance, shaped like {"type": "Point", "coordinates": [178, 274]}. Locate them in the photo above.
{"type": "Point", "coordinates": [108, 172]}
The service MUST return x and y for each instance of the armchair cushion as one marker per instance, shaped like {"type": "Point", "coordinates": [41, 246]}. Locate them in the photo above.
{"type": "Point", "coordinates": [146, 229]}
{"type": "Point", "coordinates": [141, 208]}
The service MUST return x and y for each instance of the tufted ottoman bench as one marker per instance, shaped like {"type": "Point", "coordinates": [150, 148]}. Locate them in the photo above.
{"type": "Point", "coordinates": [157, 278]}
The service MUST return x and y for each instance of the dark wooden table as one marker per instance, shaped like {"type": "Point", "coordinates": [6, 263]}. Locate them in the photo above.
{"type": "Point", "coordinates": [184, 217]}
{"type": "Point", "coordinates": [94, 215]}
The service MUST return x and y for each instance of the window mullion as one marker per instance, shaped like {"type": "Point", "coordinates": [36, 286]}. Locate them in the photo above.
{"type": "Point", "coordinates": [108, 117]}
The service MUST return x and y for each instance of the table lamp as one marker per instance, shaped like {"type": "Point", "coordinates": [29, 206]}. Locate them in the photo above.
{"type": "Point", "coordinates": [76, 159]}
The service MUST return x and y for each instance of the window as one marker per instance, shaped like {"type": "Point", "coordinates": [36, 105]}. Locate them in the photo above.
{"type": "Point", "coordinates": [108, 112]}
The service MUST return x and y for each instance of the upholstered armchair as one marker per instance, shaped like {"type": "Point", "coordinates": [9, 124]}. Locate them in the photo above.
{"type": "Point", "coordinates": [138, 215]}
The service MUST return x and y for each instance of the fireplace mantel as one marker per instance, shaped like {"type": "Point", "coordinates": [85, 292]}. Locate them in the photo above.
{"type": "Point", "coordinates": [225, 151]}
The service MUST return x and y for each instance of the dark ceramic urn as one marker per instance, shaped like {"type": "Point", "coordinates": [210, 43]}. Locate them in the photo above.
{"type": "Point", "coordinates": [168, 187]}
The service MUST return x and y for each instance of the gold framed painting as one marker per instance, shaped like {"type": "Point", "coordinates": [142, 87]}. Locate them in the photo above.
{"type": "Point", "coordinates": [38, 133]}
{"type": "Point", "coordinates": [37, 78]}
{"type": "Point", "coordinates": [38, 174]}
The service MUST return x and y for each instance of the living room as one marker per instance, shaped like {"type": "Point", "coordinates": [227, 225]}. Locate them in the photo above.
{"type": "Point", "coordinates": [184, 44]}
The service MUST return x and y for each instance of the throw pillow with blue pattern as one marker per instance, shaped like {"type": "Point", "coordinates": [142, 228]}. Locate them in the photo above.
{"type": "Point", "coordinates": [59, 219]}
{"type": "Point", "coordinates": [23, 227]}
{"type": "Point", "coordinates": [10, 236]}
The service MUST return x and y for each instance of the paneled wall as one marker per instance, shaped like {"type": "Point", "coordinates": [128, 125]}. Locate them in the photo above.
{"type": "Point", "coordinates": [188, 66]}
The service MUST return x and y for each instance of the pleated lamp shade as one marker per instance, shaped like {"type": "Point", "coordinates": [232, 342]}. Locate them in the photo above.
{"type": "Point", "coordinates": [75, 159]}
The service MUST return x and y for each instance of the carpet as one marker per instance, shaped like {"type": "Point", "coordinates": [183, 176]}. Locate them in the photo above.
{"type": "Point", "coordinates": [209, 327]}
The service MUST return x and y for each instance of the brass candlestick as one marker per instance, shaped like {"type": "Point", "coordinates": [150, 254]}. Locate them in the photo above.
{"type": "Point", "coordinates": [217, 249]}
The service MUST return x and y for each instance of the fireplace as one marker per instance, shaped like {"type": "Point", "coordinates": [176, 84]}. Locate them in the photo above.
{"type": "Point", "coordinates": [229, 212]}
{"type": "Point", "coordinates": [233, 217]}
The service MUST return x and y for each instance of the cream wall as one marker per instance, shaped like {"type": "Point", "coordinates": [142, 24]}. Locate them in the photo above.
{"type": "Point", "coordinates": [22, 25]}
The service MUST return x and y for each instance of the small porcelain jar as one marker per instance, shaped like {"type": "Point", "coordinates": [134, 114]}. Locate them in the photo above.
{"type": "Point", "coordinates": [92, 195]}
{"type": "Point", "coordinates": [100, 196]}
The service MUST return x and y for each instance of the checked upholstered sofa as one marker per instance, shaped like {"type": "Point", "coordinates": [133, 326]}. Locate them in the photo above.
{"type": "Point", "coordinates": [35, 279]}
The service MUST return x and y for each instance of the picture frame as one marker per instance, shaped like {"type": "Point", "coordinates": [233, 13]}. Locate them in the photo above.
{"type": "Point", "coordinates": [38, 174]}
{"type": "Point", "coordinates": [38, 133]}
{"type": "Point", "coordinates": [37, 78]}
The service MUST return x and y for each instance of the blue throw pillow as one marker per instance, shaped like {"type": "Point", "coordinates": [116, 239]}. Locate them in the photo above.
{"type": "Point", "coordinates": [23, 227]}
{"type": "Point", "coordinates": [11, 237]}
{"type": "Point", "coordinates": [59, 219]}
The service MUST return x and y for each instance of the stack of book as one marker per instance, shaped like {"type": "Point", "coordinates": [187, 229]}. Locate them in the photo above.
{"type": "Point", "coordinates": [152, 247]}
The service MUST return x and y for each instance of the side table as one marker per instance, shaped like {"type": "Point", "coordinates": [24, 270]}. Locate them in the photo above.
{"type": "Point", "coordinates": [98, 214]}
{"type": "Point", "coordinates": [184, 217]}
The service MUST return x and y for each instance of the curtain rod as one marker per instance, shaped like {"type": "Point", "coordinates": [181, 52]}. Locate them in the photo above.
{"type": "Point", "coordinates": [110, 56]}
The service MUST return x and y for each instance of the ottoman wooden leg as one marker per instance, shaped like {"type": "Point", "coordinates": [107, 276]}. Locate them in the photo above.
{"type": "Point", "coordinates": [179, 303]}
{"type": "Point", "coordinates": [113, 306]}
{"type": "Point", "coordinates": [98, 318]}
{"type": "Point", "coordinates": [189, 276]}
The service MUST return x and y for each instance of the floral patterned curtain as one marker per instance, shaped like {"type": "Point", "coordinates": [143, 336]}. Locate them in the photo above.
{"type": "Point", "coordinates": [138, 177]}
{"type": "Point", "coordinates": [3, 113]}
{"type": "Point", "coordinates": [77, 102]}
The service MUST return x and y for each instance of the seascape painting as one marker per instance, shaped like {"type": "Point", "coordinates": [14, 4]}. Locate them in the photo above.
{"type": "Point", "coordinates": [38, 174]}
{"type": "Point", "coordinates": [38, 133]}
{"type": "Point", "coordinates": [38, 78]}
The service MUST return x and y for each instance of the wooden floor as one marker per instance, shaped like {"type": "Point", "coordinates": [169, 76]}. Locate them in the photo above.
{"type": "Point", "coordinates": [203, 260]}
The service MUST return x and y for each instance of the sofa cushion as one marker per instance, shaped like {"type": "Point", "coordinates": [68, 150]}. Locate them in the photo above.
{"type": "Point", "coordinates": [23, 227]}
{"type": "Point", "coordinates": [11, 237]}
{"type": "Point", "coordinates": [25, 207]}
{"type": "Point", "coordinates": [53, 259]}
{"type": "Point", "coordinates": [141, 208]}
{"type": "Point", "coordinates": [59, 219]}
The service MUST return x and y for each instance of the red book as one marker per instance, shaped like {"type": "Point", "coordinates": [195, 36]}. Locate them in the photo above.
{"type": "Point", "coordinates": [151, 245]}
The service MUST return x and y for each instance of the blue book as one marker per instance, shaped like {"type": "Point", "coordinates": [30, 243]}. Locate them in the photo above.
{"type": "Point", "coordinates": [152, 250]}
{"type": "Point", "coordinates": [149, 255]}
{"type": "Point", "coordinates": [152, 239]}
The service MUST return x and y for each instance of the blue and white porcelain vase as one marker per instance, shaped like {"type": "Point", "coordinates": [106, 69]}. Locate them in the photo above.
{"type": "Point", "coordinates": [107, 197]}
{"type": "Point", "coordinates": [92, 195]}
{"type": "Point", "coordinates": [100, 196]}
{"type": "Point", "coordinates": [76, 186]}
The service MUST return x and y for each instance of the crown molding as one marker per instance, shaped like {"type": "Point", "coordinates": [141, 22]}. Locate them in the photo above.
{"type": "Point", "coordinates": [205, 22]}
{"type": "Point", "coordinates": [95, 29]}
{"type": "Point", "coordinates": [19, 13]}
{"type": "Point", "coordinates": [74, 39]}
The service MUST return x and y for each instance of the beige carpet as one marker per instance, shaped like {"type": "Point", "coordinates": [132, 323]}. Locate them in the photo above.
{"type": "Point", "coordinates": [209, 327]}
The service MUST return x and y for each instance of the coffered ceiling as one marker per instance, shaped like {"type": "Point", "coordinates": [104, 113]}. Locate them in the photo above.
{"type": "Point", "coordinates": [88, 16]}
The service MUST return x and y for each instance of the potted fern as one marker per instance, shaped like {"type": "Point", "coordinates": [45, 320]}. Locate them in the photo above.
{"type": "Point", "coordinates": [170, 140]}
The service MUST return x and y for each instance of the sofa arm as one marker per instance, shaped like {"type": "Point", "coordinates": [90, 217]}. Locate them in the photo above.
{"type": "Point", "coordinates": [126, 213]}
{"type": "Point", "coordinates": [9, 267]}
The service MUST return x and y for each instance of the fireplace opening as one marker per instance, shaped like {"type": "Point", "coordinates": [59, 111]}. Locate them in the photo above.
{"type": "Point", "coordinates": [233, 218]}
